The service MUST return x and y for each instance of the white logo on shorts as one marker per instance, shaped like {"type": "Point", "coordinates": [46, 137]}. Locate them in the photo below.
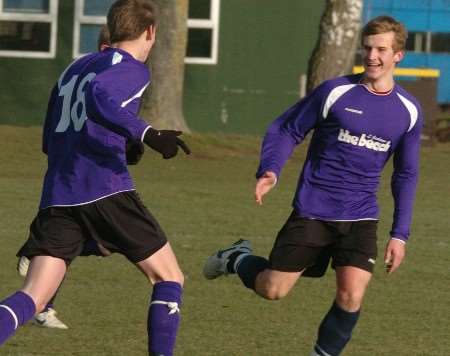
{"type": "Point", "coordinates": [371, 260]}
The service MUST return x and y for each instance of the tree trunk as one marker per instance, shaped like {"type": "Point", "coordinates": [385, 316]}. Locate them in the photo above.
{"type": "Point", "coordinates": [335, 50]}
{"type": "Point", "coordinates": [163, 103]}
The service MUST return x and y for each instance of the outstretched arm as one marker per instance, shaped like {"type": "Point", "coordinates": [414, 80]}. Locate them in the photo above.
{"type": "Point", "coordinates": [283, 135]}
{"type": "Point", "coordinates": [104, 108]}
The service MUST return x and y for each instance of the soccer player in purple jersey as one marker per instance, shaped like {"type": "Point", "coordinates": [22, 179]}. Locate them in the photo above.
{"type": "Point", "coordinates": [88, 192]}
{"type": "Point", "coordinates": [359, 122]}
{"type": "Point", "coordinates": [134, 150]}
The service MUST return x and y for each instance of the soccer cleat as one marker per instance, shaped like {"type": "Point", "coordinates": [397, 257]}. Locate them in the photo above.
{"type": "Point", "coordinates": [22, 266]}
{"type": "Point", "coordinates": [216, 264]}
{"type": "Point", "coordinates": [48, 319]}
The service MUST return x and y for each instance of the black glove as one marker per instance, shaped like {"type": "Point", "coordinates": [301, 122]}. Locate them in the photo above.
{"type": "Point", "coordinates": [165, 142]}
{"type": "Point", "coordinates": [134, 151]}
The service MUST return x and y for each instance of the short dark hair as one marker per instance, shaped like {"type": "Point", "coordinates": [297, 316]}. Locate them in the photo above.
{"type": "Point", "coordinates": [128, 19]}
{"type": "Point", "coordinates": [103, 38]}
{"type": "Point", "coordinates": [384, 24]}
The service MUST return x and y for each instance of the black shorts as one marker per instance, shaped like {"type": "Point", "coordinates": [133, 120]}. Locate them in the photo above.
{"type": "Point", "coordinates": [120, 222]}
{"type": "Point", "coordinates": [309, 244]}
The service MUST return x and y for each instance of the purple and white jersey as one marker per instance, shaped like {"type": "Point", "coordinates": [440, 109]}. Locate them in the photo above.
{"type": "Point", "coordinates": [91, 112]}
{"type": "Point", "coordinates": [355, 133]}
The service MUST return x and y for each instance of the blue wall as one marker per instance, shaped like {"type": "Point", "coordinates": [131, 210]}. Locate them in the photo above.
{"type": "Point", "coordinates": [419, 16]}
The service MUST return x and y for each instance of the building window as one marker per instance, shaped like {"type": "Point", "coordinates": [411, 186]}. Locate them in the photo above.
{"type": "Point", "coordinates": [203, 32]}
{"type": "Point", "coordinates": [203, 28]}
{"type": "Point", "coordinates": [434, 42]}
{"type": "Point", "coordinates": [90, 16]}
{"type": "Point", "coordinates": [417, 41]}
{"type": "Point", "coordinates": [28, 28]}
{"type": "Point", "coordinates": [440, 42]}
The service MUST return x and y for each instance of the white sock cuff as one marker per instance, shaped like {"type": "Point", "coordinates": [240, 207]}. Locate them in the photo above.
{"type": "Point", "coordinates": [16, 321]}
{"type": "Point", "coordinates": [173, 306]}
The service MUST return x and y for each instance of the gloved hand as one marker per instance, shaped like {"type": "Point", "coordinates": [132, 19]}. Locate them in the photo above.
{"type": "Point", "coordinates": [134, 151]}
{"type": "Point", "coordinates": [165, 142]}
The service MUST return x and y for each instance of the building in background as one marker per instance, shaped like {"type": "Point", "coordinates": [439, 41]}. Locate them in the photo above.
{"type": "Point", "coordinates": [245, 58]}
{"type": "Point", "coordinates": [425, 70]}
{"type": "Point", "coordinates": [428, 45]}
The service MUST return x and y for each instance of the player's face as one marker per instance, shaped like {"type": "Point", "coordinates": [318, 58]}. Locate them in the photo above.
{"type": "Point", "coordinates": [379, 56]}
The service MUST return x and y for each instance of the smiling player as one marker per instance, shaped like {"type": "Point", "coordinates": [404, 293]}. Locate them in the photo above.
{"type": "Point", "coordinates": [359, 122]}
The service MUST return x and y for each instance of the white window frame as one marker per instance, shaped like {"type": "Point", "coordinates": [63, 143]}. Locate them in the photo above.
{"type": "Point", "coordinates": [419, 42]}
{"type": "Point", "coordinates": [428, 42]}
{"type": "Point", "coordinates": [422, 42]}
{"type": "Point", "coordinates": [212, 24]}
{"type": "Point", "coordinates": [51, 17]}
{"type": "Point", "coordinates": [80, 19]}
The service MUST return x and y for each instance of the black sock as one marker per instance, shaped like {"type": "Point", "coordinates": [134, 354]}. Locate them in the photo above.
{"type": "Point", "coordinates": [335, 330]}
{"type": "Point", "coordinates": [232, 260]}
{"type": "Point", "coordinates": [249, 267]}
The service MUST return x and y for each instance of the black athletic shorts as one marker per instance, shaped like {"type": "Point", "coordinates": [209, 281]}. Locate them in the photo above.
{"type": "Point", "coordinates": [309, 244]}
{"type": "Point", "coordinates": [120, 222]}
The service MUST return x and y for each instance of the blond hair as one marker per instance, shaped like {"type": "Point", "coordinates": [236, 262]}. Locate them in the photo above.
{"type": "Point", "coordinates": [384, 24]}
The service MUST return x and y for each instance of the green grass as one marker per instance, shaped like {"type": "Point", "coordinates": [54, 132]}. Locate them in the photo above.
{"type": "Point", "coordinates": [203, 202]}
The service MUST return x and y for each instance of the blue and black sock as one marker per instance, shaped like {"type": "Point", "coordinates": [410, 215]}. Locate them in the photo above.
{"type": "Point", "coordinates": [249, 267]}
{"type": "Point", "coordinates": [335, 331]}
{"type": "Point", "coordinates": [15, 311]}
{"type": "Point", "coordinates": [164, 318]}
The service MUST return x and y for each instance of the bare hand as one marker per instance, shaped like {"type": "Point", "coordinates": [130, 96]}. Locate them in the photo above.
{"type": "Point", "coordinates": [393, 257]}
{"type": "Point", "coordinates": [264, 184]}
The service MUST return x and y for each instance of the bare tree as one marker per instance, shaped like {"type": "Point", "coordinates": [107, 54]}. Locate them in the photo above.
{"type": "Point", "coordinates": [163, 102]}
{"type": "Point", "coordinates": [338, 39]}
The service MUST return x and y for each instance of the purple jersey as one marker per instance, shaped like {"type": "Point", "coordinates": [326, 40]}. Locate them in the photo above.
{"type": "Point", "coordinates": [91, 112]}
{"type": "Point", "coordinates": [355, 133]}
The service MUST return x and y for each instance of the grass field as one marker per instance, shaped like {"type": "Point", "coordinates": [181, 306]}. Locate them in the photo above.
{"type": "Point", "coordinates": [203, 202]}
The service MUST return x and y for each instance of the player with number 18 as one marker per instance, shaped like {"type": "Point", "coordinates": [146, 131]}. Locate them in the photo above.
{"type": "Point", "coordinates": [88, 192]}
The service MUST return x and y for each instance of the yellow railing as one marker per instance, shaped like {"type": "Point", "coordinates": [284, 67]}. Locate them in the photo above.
{"type": "Point", "coordinates": [407, 72]}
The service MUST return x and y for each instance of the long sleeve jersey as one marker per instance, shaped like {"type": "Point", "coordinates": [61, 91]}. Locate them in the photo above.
{"type": "Point", "coordinates": [91, 112]}
{"type": "Point", "coordinates": [355, 133]}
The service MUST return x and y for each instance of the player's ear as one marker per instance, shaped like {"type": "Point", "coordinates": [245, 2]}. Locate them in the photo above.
{"type": "Point", "coordinates": [398, 56]}
{"type": "Point", "coordinates": [151, 32]}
